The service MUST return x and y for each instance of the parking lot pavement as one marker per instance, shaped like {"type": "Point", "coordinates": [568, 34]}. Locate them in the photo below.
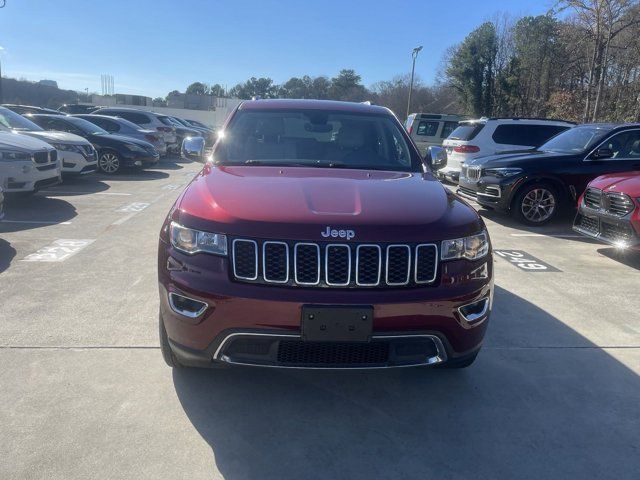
{"type": "Point", "coordinates": [85, 393]}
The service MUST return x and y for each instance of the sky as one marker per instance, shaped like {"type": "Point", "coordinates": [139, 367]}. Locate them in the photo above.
{"type": "Point", "coordinates": [154, 47]}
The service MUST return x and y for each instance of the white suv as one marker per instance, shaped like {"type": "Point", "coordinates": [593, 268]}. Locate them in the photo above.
{"type": "Point", "coordinates": [490, 136]}
{"type": "Point", "coordinates": [27, 164]}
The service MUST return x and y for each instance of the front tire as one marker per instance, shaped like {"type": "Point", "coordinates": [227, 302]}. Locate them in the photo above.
{"type": "Point", "coordinates": [536, 204]}
{"type": "Point", "coordinates": [109, 162]}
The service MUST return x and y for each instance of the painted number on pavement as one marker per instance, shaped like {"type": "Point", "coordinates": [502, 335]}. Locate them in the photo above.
{"type": "Point", "coordinates": [524, 261]}
{"type": "Point", "coordinates": [134, 207]}
{"type": "Point", "coordinates": [58, 251]}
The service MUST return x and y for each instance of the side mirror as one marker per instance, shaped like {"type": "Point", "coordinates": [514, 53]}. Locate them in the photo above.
{"type": "Point", "coordinates": [435, 158]}
{"type": "Point", "coordinates": [601, 153]}
{"type": "Point", "coordinates": [193, 147]}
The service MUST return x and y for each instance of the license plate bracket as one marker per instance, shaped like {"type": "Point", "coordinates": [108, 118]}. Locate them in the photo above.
{"type": "Point", "coordinates": [321, 323]}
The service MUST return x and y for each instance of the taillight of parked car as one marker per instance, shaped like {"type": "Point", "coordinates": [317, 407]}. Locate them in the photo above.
{"type": "Point", "coordinates": [466, 149]}
{"type": "Point", "coordinates": [151, 138]}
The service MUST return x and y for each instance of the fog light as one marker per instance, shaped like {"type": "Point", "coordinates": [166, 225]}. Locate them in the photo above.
{"type": "Point", "coordinates": [137, 163]}
{"type": "Point", "coordinates": [189, 307]}
{"type": "Point", "coordinates": [475, 311]}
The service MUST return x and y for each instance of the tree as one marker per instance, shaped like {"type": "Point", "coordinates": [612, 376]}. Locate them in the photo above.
{"type": "Point", "coordinates": [471, 69]}
{"type": "Point", "coordinates": [197, 88]}
{"type": "Point", "coordinates": [255, 87]}
{"type": "Point", "coordinates": [159, 102]}
{"type": "Point", "coordinates": [602, 21]}
{"type": "Point", "coordinates": [346, 86]}
{"type": "Point", "coordinates": [217, 90]}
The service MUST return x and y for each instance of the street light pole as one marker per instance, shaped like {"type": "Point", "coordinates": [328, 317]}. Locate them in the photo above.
{"type": "Point", "coordinates": [414, 55]}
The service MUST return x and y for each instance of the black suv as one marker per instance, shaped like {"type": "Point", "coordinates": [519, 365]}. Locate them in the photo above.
{"type": "Point", "coordinates": [534, 185]}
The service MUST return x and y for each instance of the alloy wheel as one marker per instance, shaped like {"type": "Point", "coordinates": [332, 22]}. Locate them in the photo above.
{"type": "Point", "coordinates": [538, 205]}
{"type": "Point", "coordinates": [109, 163]}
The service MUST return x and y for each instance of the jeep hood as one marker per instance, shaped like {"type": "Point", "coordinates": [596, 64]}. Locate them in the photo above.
{"type": "Point", "coordinates": [300, 202]}
{"type": "Point", "coordinates": [57, 137]}
{"type": "Point", "coordinates": [21, 142]}
{"type": "Point", "coordinates": [628, 182]}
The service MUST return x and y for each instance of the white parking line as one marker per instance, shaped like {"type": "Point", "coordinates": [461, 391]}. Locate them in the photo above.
{"type": "Point", "coordinates": [120, 221]}
{"type": "Point", "coordinates": [35, 222]}
{"type": "Point", "coordinates": [84, 193]}
{"type": "Point", "coordinates": [58, 251]}
{"type": "Point", "coordinates": [133, 207]}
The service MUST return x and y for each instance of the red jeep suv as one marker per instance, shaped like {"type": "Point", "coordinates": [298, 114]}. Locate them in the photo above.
{"type": "Point", "coordinates": [319, 238]}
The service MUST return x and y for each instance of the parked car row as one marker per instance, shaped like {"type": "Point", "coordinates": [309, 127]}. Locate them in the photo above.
{"type": "Point", "coordinates": [39, 145]}
{"type": "Point", "coordinates": [536, 168]}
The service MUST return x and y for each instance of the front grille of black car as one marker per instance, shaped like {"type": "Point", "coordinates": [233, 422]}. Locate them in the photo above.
{"type": "Point", "coordinates": [613, 203]}
{"type": "Point", "coordinates": [293, 352]}
{"type": "Point", "coordinates": [334, 265]}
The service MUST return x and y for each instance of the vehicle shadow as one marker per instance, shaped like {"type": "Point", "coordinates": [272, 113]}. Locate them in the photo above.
{"type": "Point", "coordinates": [133, 175]}
{"type": "Point", "coordinates": [526, 409]}
{"type": "Point", "coordinates": [629, 258]}
{"type": "Point", "coordinates": [27, 213]}
{"type": "Point", "coordinates": [7, 253]}
{"type": "Point", "coordinates": [85, 185]}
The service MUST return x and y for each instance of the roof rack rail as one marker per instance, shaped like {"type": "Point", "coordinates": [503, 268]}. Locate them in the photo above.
{"type": "Point", "coordinates": [528, 118]}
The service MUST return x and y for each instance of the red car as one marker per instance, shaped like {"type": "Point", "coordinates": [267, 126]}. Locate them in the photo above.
{"type": "Point", "coordinates": [319, 238]}
{"type": "Point", "coordinates": [609, 210]}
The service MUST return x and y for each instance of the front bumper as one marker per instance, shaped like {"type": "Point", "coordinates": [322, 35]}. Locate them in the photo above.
{"type": "Point", "coordinates": [607, 228]}
{"type": "Point", "coordinates": [26, 176]}
{"type": "Point", "coordinates": [414, 326]}
{"type": "Point", "coordinates": [489, 192]}
{"type": "Point", "coordinates": [140, 160]}
{"type": "Point", "coordinates": [77, 163]}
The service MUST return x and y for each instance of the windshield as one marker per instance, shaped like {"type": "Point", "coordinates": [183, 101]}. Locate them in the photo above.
{"type": "Point", "coordinates": [12, 121]}
{"type": "Point", "coordinates": [466, 131]}
{"type": "Point", "coordinates": [85, 126]}
{"type": "Point", "coordinates": [576, 139]}
{"type": "Point", "coordinates": [315, 138]}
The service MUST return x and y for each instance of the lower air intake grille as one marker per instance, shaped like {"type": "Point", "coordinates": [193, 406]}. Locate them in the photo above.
{"type": "Point", "coordinates": [294, 352]}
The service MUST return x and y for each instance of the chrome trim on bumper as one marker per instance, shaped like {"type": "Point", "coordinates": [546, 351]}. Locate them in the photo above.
{"type": "Point", "coordinates": [436, 359]}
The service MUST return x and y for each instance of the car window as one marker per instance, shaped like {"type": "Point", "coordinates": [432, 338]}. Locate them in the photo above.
{"type": "Point", "coordinates": [109, 125]}
{"type": "Point", "coordinates": [62, 126]}
{"type": "Point", "coordinates": [526, 135]}
{"type": "Point", "coordinates": [12, 120]}
{"type": "Point", "coordinates": [624, 144]}
{"type": "Point", "coordinates": [576, 139]}
{"type": "Point", "coordinates": [448, 128]}
{"type": "Point", "coordinates": [466, 131]}
{"type": "Point", "coordinates": [315, 138]}
{"type": "Point", "coordinates": [427, 129]}
{"type": "Point", "coordinates": [137, 118]}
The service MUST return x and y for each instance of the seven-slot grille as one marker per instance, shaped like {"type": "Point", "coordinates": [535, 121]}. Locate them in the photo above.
{"type": "Point", "coordinates": [614, 203]}
{"type": "Point", "coordinates": [333, 265]}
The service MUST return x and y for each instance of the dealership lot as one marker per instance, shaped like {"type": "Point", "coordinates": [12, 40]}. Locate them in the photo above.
{"type": "Point", "coordinates": [85, 393]}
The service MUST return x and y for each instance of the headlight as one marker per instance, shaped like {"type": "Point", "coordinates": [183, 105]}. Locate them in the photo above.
{"type": "Point", "coordinates": [192, 241]}
{"type": "Point", "coordinates": [14, 155]}
{"type": "Point", "coordinates": [502, 172]}
{"type": "Point", "coordinates": [134, 148]}
{"type": "Point", "coordinates": [65, 147]}
{"type": "Point", "coordinates": [471, 248]}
